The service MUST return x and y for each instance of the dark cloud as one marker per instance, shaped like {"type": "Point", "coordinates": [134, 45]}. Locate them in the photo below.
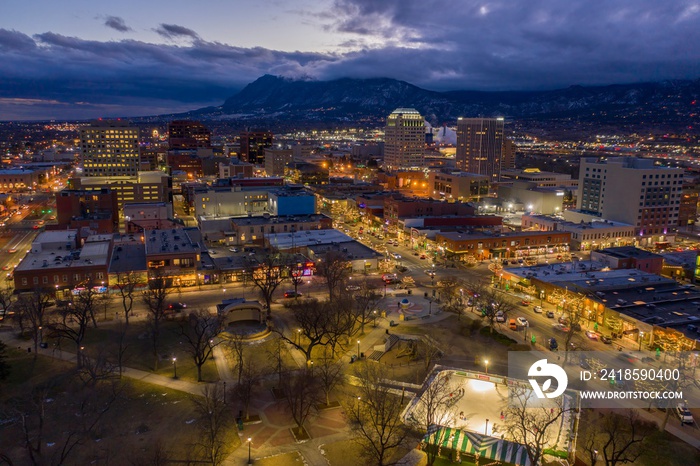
{"type": "Point", "coordinates": [117, 23]}
{"type": "Point", "coordinates": [440, 45]}
{"type": "Point", "coordinates": [174, 31]}
{"type": "Point", "coordinates": [13, 41]}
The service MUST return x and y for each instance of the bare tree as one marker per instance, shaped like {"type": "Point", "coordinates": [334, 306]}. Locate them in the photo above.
{"type": "Point", "coordinates": [5, 367]}
{"type": "Point", "coordinates": [214, 423]}
{"type": "Point", "coordinates": [494, 304]}
{"type": "Point", "coordinates": [451, 290]}
{"type": "Point", "coordinates": [296, 274]}
{"type": "Point", "coordinates": [35, 415]}
{"type": "Point", "coordinates": [330, 374]}
{"type": "Point", "coordinates": [119, 352]}
{"type": "Point", "coordinates": [335, 269]}
{"type": "Point", "coordinates": [73, 323]}
{"type": "Point", "coordinates": [276, 357]}
{"type": "Point", "coordinates": [620, 438]}
{"type": "Point", "coordinates": [573, 321]}
{"type": "Point", "coordinates": [236, 343]}
{"type": "Point", "coordinates": [365, 304]}
{"type": "Point", "coordinates": [267, 275]}
{"type": "Point", "coordinates": [531, 422]}
{"type": "Point", "coordinates": [250, 378]}
{"type": "Point", "coordinates": [375, 417]}
{"type": "Point", "coordinates": [7, 300]}
{"type": "Point", "coordinates": [126, 284]}
{"type": "Point", "coordinates": [301, 391]}
{"type": "Point", "coordinates": [32, 308]}
{"type": "Point", "coordinates": [154, 298]}
{"type": "Point", "coordinates": [199, 333]}
{"type": "Point", "coordinates": [434, 408]}
{"type": "Point", "coordinates": [95, 366]}
{"type": "Point", "coordinates": [312, 318]}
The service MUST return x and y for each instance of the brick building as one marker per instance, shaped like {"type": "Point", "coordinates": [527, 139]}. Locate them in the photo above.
{"type": "Point", "coordinates": [57, 262]}
{"type": "Point", "coordinates": [97, 210]}
{"type": "Point", "coordinates": [485, 246]}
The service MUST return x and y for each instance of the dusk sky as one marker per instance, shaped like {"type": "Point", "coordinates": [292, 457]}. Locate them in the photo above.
{"type": "Point", "coordinates": [86, 59]}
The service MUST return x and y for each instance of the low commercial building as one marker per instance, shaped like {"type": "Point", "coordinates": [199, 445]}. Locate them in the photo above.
{"type": "Point", "coordinates": [531, 198]}
{"type": "Point", "coordinates": [238, 202]}
{"type": "Point", "coordinates": [585, 236]}
{"type": "Point", "coordinates": [20, 180]}
{"type": "Point", "coordinates": [142, 216]}
{"type": "Point", "coordinates": [541, 179]}
{"type": "Point", "coordinates": [635, 308]}
{"type": "Point", "coordinates": [58, 262]}
{"type": "Point", "coordinates": [316, 244]}
{"type": "Point", "coordinates": [399, 207]}
{"type": "Point", "coordinates": [173, 254]}
{"type": "Point", "coordinates": [629, 257]}
{"type": "Point", "coordinates": [484, 246]}
{"type": "Point", "coordinates": [458, 186]}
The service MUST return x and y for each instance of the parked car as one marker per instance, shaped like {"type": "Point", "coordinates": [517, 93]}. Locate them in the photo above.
{"type": "Point", "coordinates": [553, 345]}
{"type": "Point", "coordinates": [606, 339]}
{"type": "Point", "coordinates": [522, 321]}
{"type": "Point", "coordinates": [550, 314]}
{"type": "Point", "coordinates": [352, 288]}
{"type": "Point", "coordinates": [401, 268]}
{"type": "Point", "coordinates": [592, 335]}
{"type": "Point", "coordinates": [684, 414]}
{"type": "Point", "coordinates": [500, 317]}
{"type": "Point", "coordinates": [176, 306]}
{"type": "Point", "coordinates": [233, 249]}
{"type": "Point", "coordinates": [292, 294]}
{"type": "Point", "coordinates": [537, 309]}
{"type": "Point", "coordinates": [525, 302]}
{"type": "Point", "coordinates": [512, 324]}
{"type": "Point", "coordinates": [396, 255]}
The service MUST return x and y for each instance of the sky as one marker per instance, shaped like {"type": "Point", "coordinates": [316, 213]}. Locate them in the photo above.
{"type": "Point", "coordinates": [87, 59]}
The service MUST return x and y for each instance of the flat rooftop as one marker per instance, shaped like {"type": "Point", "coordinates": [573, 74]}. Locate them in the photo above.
{"type": "Point", "coordinates": [175, 241]}
{"type": "Point", "coordinates": [591, 276]}
{"type": "Point", "coordinates": [456, 236]}
{"type": "Point", "coordinates": [310, 218]}
{"type": "Point", "coordinates": [625, 252]}
{"type": "Point", "coordinates": [55, 256]}
{"type": "Point", "coordinates": [128, 255]}
{"type": "Point", "coordinates": [352, 250]}
{"type": "Point", "coordinates": [307, 238]}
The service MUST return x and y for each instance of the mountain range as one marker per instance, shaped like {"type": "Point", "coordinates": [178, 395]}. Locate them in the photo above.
{"type": "Point", "coordinates": [672, 104]}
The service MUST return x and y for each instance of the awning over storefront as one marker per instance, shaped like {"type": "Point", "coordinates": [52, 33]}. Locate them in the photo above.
{"type": "Point", "coordinates": [487, 447]}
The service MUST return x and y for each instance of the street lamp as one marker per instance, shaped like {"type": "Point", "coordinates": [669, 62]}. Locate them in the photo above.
{"type": "Point", "coordinates": [486, 365]}
{"type": "Point", "coordinates": [641, 336]}
{"type": "Point", "coordinates": [299, 336]}
{"type": "Point", "coordinates": [250, 441]}
{"type": "Point", "coordinates": [174, 368]}
{"type": "Point", "coordinates": [358, 349]}
{"type": "Point", "coordinates": [375, 318]}
{"type": "Point", "coordinates": [486, 429]}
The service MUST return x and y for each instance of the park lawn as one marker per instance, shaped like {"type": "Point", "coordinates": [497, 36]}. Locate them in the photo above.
{"type": "Point", "coordinates": [293, 457]}
{"type": "Point", "coordinates": [143, 418]}
{"type": "Point", "coordinates": [139, 353]}
{"type": "Point", "coordinates": [26, 371]}
{"type": "Point", "coordinates": [343, 453]}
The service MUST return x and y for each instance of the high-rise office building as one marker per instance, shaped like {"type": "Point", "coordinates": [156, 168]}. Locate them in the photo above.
{"type": "Point", "coordinates": [404, 140]}
{"type": "Point", "coordinates": [480, 146]}
{"type": "Point", "coordinates": [633, 191]}
{"type": "Point", "coordinates": [253, 145]}
{"type": "Point", "coordinates": [188, 134]}
{"type": "Point", "coordinates": [110, 148]}
{"type": "Point", "coordinates": [508, 160]}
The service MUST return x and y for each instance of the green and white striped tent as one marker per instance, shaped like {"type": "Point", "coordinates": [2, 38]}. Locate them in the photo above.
{"type": "Point", "coordinates": [487, 447]}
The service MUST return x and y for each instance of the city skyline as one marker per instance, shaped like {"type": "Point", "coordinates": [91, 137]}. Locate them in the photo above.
{"type": "Point", "coordinates": [81, 60]}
